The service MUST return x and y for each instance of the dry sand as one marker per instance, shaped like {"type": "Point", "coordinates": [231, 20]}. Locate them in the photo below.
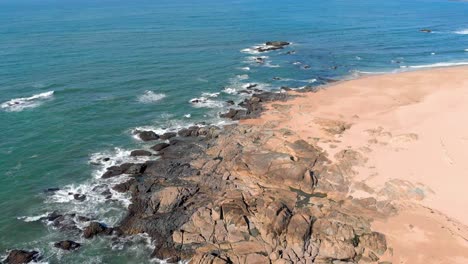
{"type": "Point", "coordinates": [412, 130]}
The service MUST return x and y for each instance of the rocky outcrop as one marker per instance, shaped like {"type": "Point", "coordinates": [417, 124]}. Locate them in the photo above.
{"type": "Point", "coordinates": [244, 194]}
{"type": "Point", "coordinates": [252, 107]}
{"type": "Point", "coordinates": [18, 256]}
{"type": "Point", "coordinates": [233, 197]}
{"type": "Point", "coordinates": [272, 45]}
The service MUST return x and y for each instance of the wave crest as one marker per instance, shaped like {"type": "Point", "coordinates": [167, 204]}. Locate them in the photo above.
{"type": "Point", "coordinates": [19, 104]}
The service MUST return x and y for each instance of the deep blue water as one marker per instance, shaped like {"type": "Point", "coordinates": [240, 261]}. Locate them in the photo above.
{"type": "Point", "coordinates": [117, 65]}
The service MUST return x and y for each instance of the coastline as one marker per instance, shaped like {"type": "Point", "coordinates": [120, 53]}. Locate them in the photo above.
{"type": "Point", "coordinates": [406, 127]}
{"type": "Point", "coordinates": [303, 177]}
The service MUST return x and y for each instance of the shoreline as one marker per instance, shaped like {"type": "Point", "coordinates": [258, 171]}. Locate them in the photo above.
{"type": "Point", "coordinates": [393, 161]}
{"type": "Point", "coordinates": [288, 183]}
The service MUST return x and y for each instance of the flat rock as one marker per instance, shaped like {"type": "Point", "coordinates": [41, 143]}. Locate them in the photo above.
{"type": "Point", "coordinates": [140, 152]}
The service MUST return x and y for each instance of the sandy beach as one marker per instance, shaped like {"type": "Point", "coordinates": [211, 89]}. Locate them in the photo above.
{"type": "Point", "coordinates": [409, 130]}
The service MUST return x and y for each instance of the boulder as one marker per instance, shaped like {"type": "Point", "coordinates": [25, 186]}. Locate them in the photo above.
{"type": "Point", "coordinates": [96, 228]}
{"type": "Point", "coordinates": [374, 241]}
{"type": "Point", "coordinates": [124, 186]}
{"type": "Point", "coordinates": [67, 245]}
{"type": "Point", "coordinates": [148, 135]}
{"type": "Point", "coordinates": [160, 146]}
{"type": "Point", "coordinates": [18, 256]}
{"type": "Point", "coordinates": [189, 132]}
{"type": "Point", "coordinates": [168, 135]}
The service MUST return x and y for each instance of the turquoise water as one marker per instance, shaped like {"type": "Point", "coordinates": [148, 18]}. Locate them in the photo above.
{"type": "Point", "coordinates": [114, 66]}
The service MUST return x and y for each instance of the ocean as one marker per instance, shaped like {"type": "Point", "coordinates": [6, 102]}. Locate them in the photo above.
{"type": "Point", "coordinates": [78, 77]}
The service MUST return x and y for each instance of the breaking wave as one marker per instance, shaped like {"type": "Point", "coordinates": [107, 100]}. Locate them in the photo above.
{"type": "Point", "coordinates": [19, 104]}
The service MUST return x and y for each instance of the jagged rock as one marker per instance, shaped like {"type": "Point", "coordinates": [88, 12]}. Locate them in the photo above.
{"type": "Point", "coordinates": [336, 249]}
{"type": "Point", "coordinates": [124, 186]}
{"type": "Point", "coordinates": [18, 256]}
{"type": "Point", "coordinates": [375, 242]}
{"type": "Point", "coordinates": [96, 228]}
{"type": "Point", "coordinates": [298, 234]}
{"type": "Point", "coordinates": [67, 245]}
{"type": "Point", "coordinates": [168, 198]}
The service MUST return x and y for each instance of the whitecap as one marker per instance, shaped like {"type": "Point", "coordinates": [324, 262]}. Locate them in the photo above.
{"type": "Point", "coordinates": [33, 218]}
{"type": "Point", "coordinates": [242, 76]}
{"type": "Point", "coordinates": [19, 104]}
{"type": "Point", "coordinates": [461, 32]}
{"type": "Point", "coordinates": [230, 90]}
{"type": "Point", "coordinates": [204, 102]}
{"type": "Point", "coordinates": [151, 97]}
{"type": "Point", "coordinates": [436, 65]}
{"type": "Point", "coordinates": [245, 68]}
{"type": "Point", "coordinates": [211, 95]}
{"type": "Point", "coordinates": [188, 116]}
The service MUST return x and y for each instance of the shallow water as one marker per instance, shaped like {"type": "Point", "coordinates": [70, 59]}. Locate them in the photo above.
{"type": "Point", "coordinates": [115, 65]}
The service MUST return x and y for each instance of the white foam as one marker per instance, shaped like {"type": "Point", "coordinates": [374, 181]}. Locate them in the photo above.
{"type": "Point", "coordinates": [466, 50]}
{"type": "Point", "coordinates": [462, 32]}
{"type": "Point", "coordinates": [19, 104]}
{"type": "Point", "coordinates": [33, 218]}
{"type": "Point", "coordinates": [242, 76]}
{"type": "Point", "coordinates": [230, 90]}
{"type": "Point", "coordinates": [253, 50]}
{"type": "Point", "coordinates": [245, 68]}
{"type": "Point", "coordinates": [210, 95]}
{"type": "Point", "coordinates": [188, 116]}
{"type": "Point", "coordinates": [205, 102]}
{"type": "Point", "coordinates": [151, 97]}
{"type": "Point", "coordinates": [96, 204]}
{"type": "Point", "coordinates": [437, 65]}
